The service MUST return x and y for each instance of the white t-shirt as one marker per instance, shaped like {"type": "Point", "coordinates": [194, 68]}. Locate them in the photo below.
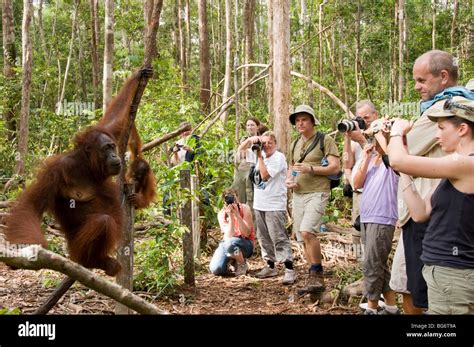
{"type": "Point", "coordinates": [273, 196]}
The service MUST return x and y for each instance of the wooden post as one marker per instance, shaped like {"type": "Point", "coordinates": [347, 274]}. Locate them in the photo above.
{"type": "Point", "coordinates": [185, 217]}
{"type": "Point", "coordinates": [125, 251]}
{"type": "Point", "coordinates": [195, 216]}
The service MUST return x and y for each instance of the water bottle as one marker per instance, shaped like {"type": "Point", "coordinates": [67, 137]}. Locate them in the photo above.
{"type": "Point", "coordinates": [292, 179]}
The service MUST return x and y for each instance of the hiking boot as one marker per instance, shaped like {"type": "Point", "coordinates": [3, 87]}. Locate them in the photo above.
{"type": "Point", "coordinates": [241, 269]}
{"type": "Point", "coordinates": [289, 277]}
{"type": "Point", "coordinates": [266, 272]}
{"type": "Point", "coordinates": [315, 282]}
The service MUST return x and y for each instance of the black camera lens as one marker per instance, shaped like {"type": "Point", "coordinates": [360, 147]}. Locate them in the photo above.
{"type": "Point", "coordinates": [350, 124]}
{"type": "Point", "coordinates": [229, 199]}
{"type": "Point", "coordinates": [257, 146]}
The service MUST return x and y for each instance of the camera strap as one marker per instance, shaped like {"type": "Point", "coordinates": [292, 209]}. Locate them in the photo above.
{"type": "Point", "coordinates": [318, 137]}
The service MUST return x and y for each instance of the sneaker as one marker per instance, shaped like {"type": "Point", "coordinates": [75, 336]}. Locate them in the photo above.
{"type": "Point", "coordinates": [241, 269]}
{"type": "Point", "coordinates": [267, 272]}
{"type": "Point", "coordinates": [289, 277]}
{"type": "Point", "coordinates": [381, 312]}
{"type": "Point", "coordinates": [315, 282]}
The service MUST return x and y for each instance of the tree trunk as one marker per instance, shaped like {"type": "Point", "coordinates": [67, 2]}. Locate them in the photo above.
{"type": "Point", "coordinates": [454, 23]}
{"type": "Point", "coordinates": [357, 52]}
{"type": "Point", "coordinates": [270, 70]}
{"type": "Point", "coordinates": [281, 71]}
{"type": "Point", "coordinates": [401, 48]}
{"type": "Point", "coordinates": [107, 78]}
{"type": "Point", "coordinates": [182, 45]}
{"type": "Point", "coordinates": [68, 63]}
{"type": "Point", "coordinates": [228, 56]}
{"type": "Point", "coordinates": [9, 57]}
{"type": "Point", "coordinates": [249, 18]}
{"type": "Point", "coordinates": [320, 48]}
{"type": "Point", "coordinates": [433, 31]}
{"type": "Point", "coordinates": [204, 62]}
{"type": "Point", "coordinates": [27, 64]}
{"type": "Point", "coordinates": [94, 7]}
{"type": "Point", "coordinates": [188, 34]}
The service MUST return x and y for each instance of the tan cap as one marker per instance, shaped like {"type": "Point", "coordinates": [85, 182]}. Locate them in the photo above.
{"type": "Point", "coordinates": [303, 109]}
{"type": "Point", "coordinates": [455, 106]}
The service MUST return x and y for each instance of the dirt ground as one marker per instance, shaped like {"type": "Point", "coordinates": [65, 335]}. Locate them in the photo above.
{"type": "Point", "coordinates": [26, 290]}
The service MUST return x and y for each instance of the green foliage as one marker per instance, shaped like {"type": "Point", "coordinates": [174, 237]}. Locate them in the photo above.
{"type": "Point", "coordinates": [347, 275]}
{"type": "Point", "coordinates": [158, 261]}
{"type": "Point", "coordinates": [10, 311]}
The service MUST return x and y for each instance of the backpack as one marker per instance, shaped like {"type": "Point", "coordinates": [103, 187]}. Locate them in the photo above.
{"type": "Point", "coordinates": [335, 180]}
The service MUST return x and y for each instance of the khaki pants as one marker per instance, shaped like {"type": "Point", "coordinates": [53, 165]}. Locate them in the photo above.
{"type": "Point", "coordinates": [450, 290]}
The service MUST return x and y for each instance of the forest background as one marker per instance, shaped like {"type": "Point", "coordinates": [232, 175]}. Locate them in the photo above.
{"type": "Point", "coordinates": [328, 54]}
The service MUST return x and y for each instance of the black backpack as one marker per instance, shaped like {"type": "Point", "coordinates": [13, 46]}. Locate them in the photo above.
{"type": "Point", "coordinates": [335, 180]}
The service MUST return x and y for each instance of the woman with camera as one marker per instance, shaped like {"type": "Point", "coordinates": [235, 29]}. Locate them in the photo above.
{"type": "Point", "coordinates": [448, 244]}
{"type": "Point", "coordinates": [246, 158]}
{"type": "Point", "coordinates": [235, 221]}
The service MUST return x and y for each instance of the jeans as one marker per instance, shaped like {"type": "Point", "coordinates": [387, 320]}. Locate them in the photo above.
{"type": "Point", "coordinates": [225, 250]}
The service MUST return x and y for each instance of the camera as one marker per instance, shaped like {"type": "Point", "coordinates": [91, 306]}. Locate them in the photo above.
{"type": "Point", "coordinates": [229, 199]}
{"type": "Point", "coordinates": [257, 146]}
{"type": "Point", "coordinates": [350, 124]}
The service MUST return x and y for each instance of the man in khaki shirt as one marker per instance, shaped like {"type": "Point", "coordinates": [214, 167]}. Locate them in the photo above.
{"type": "Point", "coordinates": [434, 72]}
{"type": "Point", "coordinates": [311, 188]}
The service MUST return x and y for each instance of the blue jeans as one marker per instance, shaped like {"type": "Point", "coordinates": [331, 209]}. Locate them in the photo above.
{"type": "Point", "coordinates": [225, 250]}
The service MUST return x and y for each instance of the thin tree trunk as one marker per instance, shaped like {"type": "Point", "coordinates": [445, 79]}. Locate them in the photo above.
{"type": "Point", "coordinates": [204, 62]}
{"type": "Point", "coordinates": [182, 45]}
{"type": "Point", "coordinates": [9, 57]}
{"type": "Point", "coordinates": [454, 23]}
{"type": "Point", "coordinates": [27, 64]}
{"type": "Point", "coordinates": [249, 18]}
{"type": "Point", "coordinates": [188, 34]}
{"type": "Point", "coordinates": [228, 56]}
{"type": "Point", "coordinates": [94, 6]}
{"type": "Point", "coordinates": [357, 52]}
{"type": "Point", "coordinates": [68, 63]}
{"type": "Point", "coordinates": [107, 77]}
{"type": "Point", "coordinates": [401, 48]}
{"type": "Point", "coordinates": [281, 71]}
{"type": "Point", "coordinates": [320, 48]}
{"type": "Point", "coordinates": [270, 71]}
{"type": "Point", "coordinates": [433, 31]}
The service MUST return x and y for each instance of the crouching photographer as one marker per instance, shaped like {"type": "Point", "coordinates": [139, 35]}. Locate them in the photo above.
{"type": "Point", "coordinates": [235, 221]}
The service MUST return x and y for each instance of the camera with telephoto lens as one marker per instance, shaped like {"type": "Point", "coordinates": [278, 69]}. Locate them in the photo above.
{"type": "Point", "coordinates": [350, 124]}
{"type": "Point", "coordinates": [229, 199]}
{"type": "Point", "coordinates": [257, 146]}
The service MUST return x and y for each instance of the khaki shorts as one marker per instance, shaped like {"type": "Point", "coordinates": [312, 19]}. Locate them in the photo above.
{"type": "Point", "coordinates": [450, 290]}
{"type": "Point", "coordinates": [308, 210]}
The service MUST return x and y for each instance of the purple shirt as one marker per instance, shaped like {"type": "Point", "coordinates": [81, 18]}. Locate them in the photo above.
{"type": "Point", "coordinates": [379, 200]}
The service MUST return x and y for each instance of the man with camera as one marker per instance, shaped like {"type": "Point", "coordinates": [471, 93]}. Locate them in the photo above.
{"type": "Point", "coordinates": [311, 188]}
{"type": "Point", "coordinates": [435, 73]}
{"type": "Point", "coordinates": [270, 197]}
{"type": "Point", "coordinates": [354, 142]}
